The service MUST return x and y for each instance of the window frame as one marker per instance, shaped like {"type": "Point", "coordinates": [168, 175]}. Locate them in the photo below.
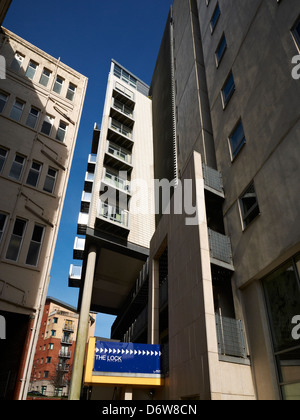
{"type": "Point", "coordinates": [3, 101]}
{"type": "Point", "coordinates": [45, 77]}
{"type": "Point", "coordinates": [17, 110]}
{"type": "Point", "coordinates": [15, 163]}
{"type": "Point", "coordinates": [31, 70]}
{"type": "Point", "coordinates": [50, 123]}
{"type": "Point", "coordinates": [35, 242]}
{"type": "Point", "coordinates": [216, 20]}
{"type": "Point", "coordinates": [219, 57]}
{"type": "Point", "coordinates": [34, 172]}
{"type": "Point", "coordinates": [16, 238]}
{"type": "Point", "coordinates": [58, 84]}
{"type": "Point", "coordinates": [52, 179]}
{"type": "Point", "coordinates": [32, 117]}
{"type": "Point", "coordinates": [242, 142]}
{"type": "Point", "coordinates": [4, 158]}
{"type": "Point", "coordinates": [226, 99]}
{"type": "Point", "coordinates": [61, 131]}
{"type": "Point", "coordinates": [253, 209]}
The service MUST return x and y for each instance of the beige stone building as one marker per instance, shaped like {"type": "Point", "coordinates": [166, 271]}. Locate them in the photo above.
{"type": "Point", "coordinates": [41, 102]}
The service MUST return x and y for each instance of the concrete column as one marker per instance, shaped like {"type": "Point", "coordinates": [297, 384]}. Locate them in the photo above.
{"type": "Point", "coordinates": [153, 309]}
{"type": "Point", "coordinates": [83, 326]}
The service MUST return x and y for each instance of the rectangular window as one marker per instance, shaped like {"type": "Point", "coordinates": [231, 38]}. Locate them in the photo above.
{"type": "Point", "coordinates": [32, 117]}
{"type": "Point", "coordinates": [296, 32]}
{"type": "Point", "coordinates": [17, 61]}
{"type": "Point", "coordinates": [3, 220]}
{"type": "Point", "coordinates": [47, 125]}
{"type": "Point", "coordinates": [46, 375]}
{"type": "Point", "coordinates": [51, 346]}
{"type": "Point", "coordinates": [35, 246]}
{"type": "Point", "coordinates": [215, 18]}
{"type": "Point", "coordinates": [228, 89]}
{"type": "Point", "coordinates": [221, 50]}
{"type": "Point", "coordinates": [3, 100]}
{"type": "Point", "coordinates": [34, 174]}
{"type": "Point", "coordinates": [45, 77]}
{"type": "Point", "coordinates": [249, 205]}
{"type": "Point", "coordinates": [31, 70]}
{"type": "Point", "coordinates": [16, 240]}
{"type": "Point", "coordinates": [17, 167]}
{"type": "Point", "coordinates": [50, 180]}
{"type": "Point", "coordinates": [61, 132]}
{"type": "Point", "coordinates": [17, 110]}
{"type": "Point", "coordinates": [71, 92]}
{"type": "Point", "coordinates": [237, 140]}
{"type": "Point", "coordinates": [58, 84]}
{"type": "Point", "coordinates": [3, 156]}
{"type": "Point", "coordinates": [125, 76]}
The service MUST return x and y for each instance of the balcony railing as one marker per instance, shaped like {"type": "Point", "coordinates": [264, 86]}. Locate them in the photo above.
{"type": "Point", "coordinates": [66, 340]}
{"type": "Point", "coordinates": [82, 223]}
{"type": "Point", "coordinates": [119, 153]}
{"type": "Point", "coordinates": [121, 128]}
{"type": "Point", "coordinates": [220, 247]}
{"type": "Point", "coordinates": [213, 179]}
{"type": "Point", "coordinates": [75, 272]}
{"type": "Point", "coordinates": [116, 181]}
{"type": "Point", "coordinates": [113, 214]}
{"type": "Point", "coordinates": [79, 247]}
{"type": "Point", "coordinates": [123, 108]}
{"type": "Point", "coordinates": [231, 337]}
{"type": "Point", "coordinates": [68, 327]}
{"type": "Point", "coordinates": [64, 354]}
{"type": "Point", "coordinates": [61, 367]}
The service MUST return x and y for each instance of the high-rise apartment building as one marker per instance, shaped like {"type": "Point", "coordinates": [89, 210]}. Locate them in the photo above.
{"type": "Point", "coordinates": [220, 290]}
{"type": "Point", "coordinates": [117, 220]}
{"type": "Point", "coordinates": [53, 360]}
{"type": "Point", "coordinates": [41, 101]}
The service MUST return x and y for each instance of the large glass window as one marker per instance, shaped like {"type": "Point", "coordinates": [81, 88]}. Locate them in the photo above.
{"type": "Point", "coordinates": [31, 70]}
{"type": "Point", "coordinates": [17, 109]}
{"type": "Point", "coordinates": [17, 167]}
{"type": "Point", "coordinates": [58, 84]}
{"type": "Point", "coordinates": [282, 291]}
{"type": "Point", "coordinates": [34, 174]}
{"type": "Point", "coordinates": [50, 180]}
{"type": "Point", "coordinates": [32, 117]}
{"type": "Point", "coordinates": [45, 77]}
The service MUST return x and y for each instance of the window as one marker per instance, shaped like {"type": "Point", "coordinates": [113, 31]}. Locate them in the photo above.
{"type": "Point", "coordinates": [17, 167]}
{"type": "Point", "coordinates": [50, 180]}
{"type": "Point", "coordinates": [282, 293]}
{"type": "Point", "coordinates": [16, 239]}
{"type": "Point", "coordinates": [249, 205]}
{"type": "Point", "coordinates": [17, 110]}
{"type": "Point", "coordinates": [58, 85]}
{"type": "Point", "coordinates": [296, 32]}
{"type": "Point", "coordinates": [47, 125]}
{"type": "Point", "coordinates": [51, 346]}
{"type": "Point", "coordinates": [125, 76]}
{"type": "Point", "coordinates": [228, 89]}
{"type": "Point", "coordinates": [55, 320]}
{"type": "Point", "coordinates": [3, 156]}
{"type": "Point", "coordinates": [61, 132]}
{"type": "Point", "coordinates": [34, 174]}
{"type": "Point", "coordinates": [48, 359]}
{"type": "Point", "coordinates": [237, 140]}
{"type": "Point", "coordinates": [215, 18]}
{"type": "Point", "coordinates": [45, 77]}
{"type": "Point", "coordinates": [3, 220]}
{"type": "Point", "coordinates": [31, 70]}
{"type": "Point", "coordinates": [35, 245]}
{"type": "Point", "coordinates": [71, 92]}
{"type": "Point", "coordinates": [221, 50]}
{"type": "Point", "coordinates": [46, 375]}
{"type": "Point", "coordinates": [3, 100]}
{"type": "Point", "coordinates": [17, 61]}
{"type": "Point", "coordinates": [53, 333]}
{"type": "Point", "coordinates": [32, 117]}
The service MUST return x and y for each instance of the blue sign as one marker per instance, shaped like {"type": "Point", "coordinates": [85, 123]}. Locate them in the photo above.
{"type": "Point", "coordinates": [127, 358]}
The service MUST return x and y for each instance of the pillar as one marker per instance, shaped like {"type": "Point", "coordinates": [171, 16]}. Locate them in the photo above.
{"type": "Point", "coordinates": [83, 326]}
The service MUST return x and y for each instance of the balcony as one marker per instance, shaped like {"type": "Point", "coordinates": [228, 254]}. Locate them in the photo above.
{"type": "Point", "coordinates": [66, 354]}
{"type": "Point", "coordinates": [79, 247]}
{"type": "Point", "coordinates": [68, 326]}
{"type": "Point", "coordinates": [92, 163]}
{"type": "Point", "coordinates": [82, 223]}
{"type": "Point", "coordinates": [120, 134]}
{"type": "Point", "coordinates": [88, 182]}
{"type": "Point", "coordinates": [213, 180]}
{"type": "Point", "coordinates": [86, 199]}
{"type": "Point", "coordinates": [115, 181]}
{"type": "Point", "coordinates": [66, 340]}
{"type": "Point", "coordinates": [124, 95]}
{"type": "Point", "coordinates": [122, 113]}
{"type": "Point", "coordinates": [62, 367]}
{"type": "Point", "coordinates": [75, 274]}
{"type": "Point", "coordinates": [231, 337]}
{"type": "Point", "coordinates": [220, 250]}
{"type": "Point", "coordinates": [118, 158]}
{"type": "Point", "coordinates": [112, 219]}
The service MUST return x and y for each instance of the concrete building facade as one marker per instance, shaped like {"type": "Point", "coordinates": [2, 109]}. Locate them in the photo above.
{"type": "Point", "coordinates": [220, 290]}
{"type": "Point", "coordinates": [41, 104]}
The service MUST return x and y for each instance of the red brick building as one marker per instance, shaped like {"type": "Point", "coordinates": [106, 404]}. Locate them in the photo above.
{"type": "Point", "coordinates": [53, 361]}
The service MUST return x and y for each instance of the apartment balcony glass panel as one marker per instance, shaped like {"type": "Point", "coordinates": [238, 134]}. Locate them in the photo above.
{"type": "Point", "coordinates": [120, 134]}
{"type": "Point", "coordinates": [116, 182]}
{"type": "Point", "coordinates": [79, 246]}
{"type": "Point", "coordinates": [122, 113]}
{"type": "Point", "coordinates": [75, 275]}
{"type": "Point", "coordinates": [92, 160]}
{"type": "Point", "coordinates": [86, 199]}
{"type": "Point", "coordinates": [113, 215]}
{"type": "Point", "coordinates": [213, 180]}
{"type": "Point", "coordinates": [82, 223]}
{"type": "Point", "coordinates": [65, 354]}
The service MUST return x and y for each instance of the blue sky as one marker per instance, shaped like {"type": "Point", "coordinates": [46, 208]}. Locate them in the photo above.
{"type": "Point", "coordinates": [86, 36]}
